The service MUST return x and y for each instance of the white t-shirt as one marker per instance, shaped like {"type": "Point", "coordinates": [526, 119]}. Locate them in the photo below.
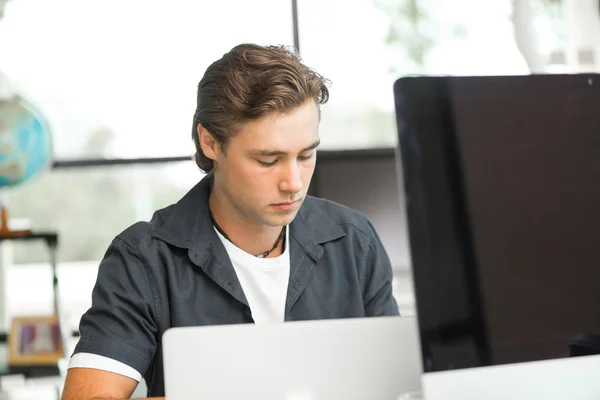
{"type": "Point", "coordinates": [264, 282]}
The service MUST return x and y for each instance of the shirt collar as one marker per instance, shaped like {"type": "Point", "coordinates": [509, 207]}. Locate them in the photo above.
{"type": "Point", "coordinates": [189, 225]}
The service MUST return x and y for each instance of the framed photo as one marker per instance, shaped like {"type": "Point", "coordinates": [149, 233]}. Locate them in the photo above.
{"type": "Point", "coordinates": [35, 341]}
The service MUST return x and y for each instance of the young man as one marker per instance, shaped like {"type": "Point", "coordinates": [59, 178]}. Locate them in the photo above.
{"type": "Point", "coordinates": [244, 245]}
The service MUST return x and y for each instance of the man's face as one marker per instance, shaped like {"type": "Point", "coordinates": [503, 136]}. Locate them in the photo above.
{"type": "Point", "coordinates": [266, 169]}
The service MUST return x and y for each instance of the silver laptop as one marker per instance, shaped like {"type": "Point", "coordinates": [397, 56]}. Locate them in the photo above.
{"type": "Point", "coordinates": [367, 358]}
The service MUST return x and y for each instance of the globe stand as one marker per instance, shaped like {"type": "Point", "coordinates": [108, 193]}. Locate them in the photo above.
{"type": "Point", "coordinates": [5, 231]}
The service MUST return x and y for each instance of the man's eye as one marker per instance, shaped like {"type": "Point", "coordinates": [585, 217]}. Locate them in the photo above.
{"type": "Point", "coordinates": [305, 157]}
{"type": "Point", "coordinates": [267, 164]}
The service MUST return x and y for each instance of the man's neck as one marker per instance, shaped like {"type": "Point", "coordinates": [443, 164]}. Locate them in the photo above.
{"type": "Point", "coordinates": [249, 236]}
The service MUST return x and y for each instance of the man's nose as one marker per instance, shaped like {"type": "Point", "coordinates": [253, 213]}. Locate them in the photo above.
{"type": "Point", "coordinates": [291, 180]}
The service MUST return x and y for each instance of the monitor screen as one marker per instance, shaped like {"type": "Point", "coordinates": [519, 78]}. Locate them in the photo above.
{"type": "Point", "coordinates": [502, 180]}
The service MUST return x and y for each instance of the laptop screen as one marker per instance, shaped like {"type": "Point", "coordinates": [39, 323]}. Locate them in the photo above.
{"type": "Point", "coordinates": [502, 178]}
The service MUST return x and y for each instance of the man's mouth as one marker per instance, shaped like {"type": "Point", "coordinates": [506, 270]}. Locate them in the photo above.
{"type": "Point", "coordinates": [286, 205]}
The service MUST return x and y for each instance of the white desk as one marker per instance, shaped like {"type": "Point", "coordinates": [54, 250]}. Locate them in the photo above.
{"type": "Point", "coordinates": [575, 378]}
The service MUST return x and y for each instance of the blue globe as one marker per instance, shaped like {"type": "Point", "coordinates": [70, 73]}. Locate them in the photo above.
{"type": "Point", "coordinates": [25, 143]}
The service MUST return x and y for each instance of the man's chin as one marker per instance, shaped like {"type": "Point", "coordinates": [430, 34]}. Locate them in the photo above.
{"type": "Point", "coordinates": [281, 218]}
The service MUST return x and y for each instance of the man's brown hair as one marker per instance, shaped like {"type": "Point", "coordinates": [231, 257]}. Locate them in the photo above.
{"type": "Point", "coordinates": [247, 83]}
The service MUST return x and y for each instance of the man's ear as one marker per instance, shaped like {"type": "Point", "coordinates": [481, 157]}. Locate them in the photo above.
{"type": "Point", "coordinates": [210, 146]}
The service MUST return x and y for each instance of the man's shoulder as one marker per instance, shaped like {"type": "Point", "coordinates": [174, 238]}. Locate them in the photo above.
{"type": "Point", "coordinates": [345, 217]}
{"type": "Point", "coordinates": [140, 234]}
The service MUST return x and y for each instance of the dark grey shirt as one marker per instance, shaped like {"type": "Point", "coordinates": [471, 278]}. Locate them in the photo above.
{"type": "Point", "coordinates": [174, 271]}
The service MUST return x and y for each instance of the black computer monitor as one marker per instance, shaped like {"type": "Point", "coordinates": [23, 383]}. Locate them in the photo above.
{"type": "Point", "coordinates": [502, 181]}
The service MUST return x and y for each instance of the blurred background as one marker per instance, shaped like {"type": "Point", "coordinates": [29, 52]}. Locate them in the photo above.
{"type": "Point", "coordinates": [116, 82]}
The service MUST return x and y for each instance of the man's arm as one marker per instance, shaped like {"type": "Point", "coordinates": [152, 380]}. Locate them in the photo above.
{"type": "Point", "coordinates": [95, 384]}
{"type": "Point", "coordinates": [119, 326]}
{"type": "Point", "coordinates": [378, 297]}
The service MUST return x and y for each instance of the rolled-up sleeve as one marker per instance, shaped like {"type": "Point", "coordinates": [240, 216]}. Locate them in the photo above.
{"type": "Point", "coordinates": [120, 324]}
{"type": "Point", "coordinates": [378, 291]}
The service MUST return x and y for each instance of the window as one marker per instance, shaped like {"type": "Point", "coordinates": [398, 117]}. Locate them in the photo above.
{"type": "Point", "coordinates": [118, 79]}
{"type": "Point", "coordinates": [345, 41]}
{"type": "Point", "coordinates": [363, 46]}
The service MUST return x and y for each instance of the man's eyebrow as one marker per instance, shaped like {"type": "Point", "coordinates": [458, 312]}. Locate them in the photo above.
{"type": "Point", "coordinates": [274, 153]}
{"type": "Point", "coordinates": [312, 146]}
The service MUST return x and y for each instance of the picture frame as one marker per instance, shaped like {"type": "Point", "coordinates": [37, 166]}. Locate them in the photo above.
{"type": "Point", "coordinates": [35, 341]}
